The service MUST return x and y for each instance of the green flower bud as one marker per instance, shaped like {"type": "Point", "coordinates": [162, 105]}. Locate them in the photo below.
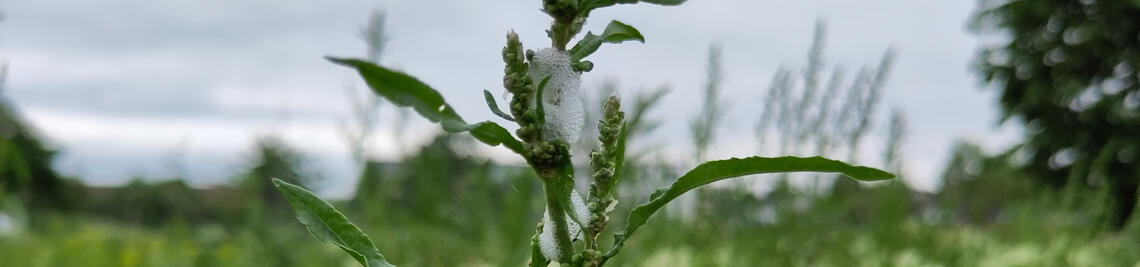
{"type": "Point", "coordinates": [584, 66]}
{"type": "Point", "coordinates": [610, 127]}
{"type": "Point", "coordinates": [561, 9]}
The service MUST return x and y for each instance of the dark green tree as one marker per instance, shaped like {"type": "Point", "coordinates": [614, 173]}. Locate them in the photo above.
{"type": "Point", "coordinates": [25, 163]}
{"type": "Point", "coordinates": [1067, 71]}
{"type": "Point", "coordinates": [149, 203]}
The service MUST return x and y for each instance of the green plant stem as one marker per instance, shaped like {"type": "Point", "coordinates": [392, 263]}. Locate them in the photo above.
{"type": "Point", "coordinates": [557, 216]}
{"type": "Point", "coordinates": [567, 22]}
{"type": "Point", "coordinates": [560, 35]}
{"type": "Point", "coordinates": [589, 239]}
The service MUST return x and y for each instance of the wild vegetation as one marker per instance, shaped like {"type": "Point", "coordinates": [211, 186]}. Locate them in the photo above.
{"type": "Point", "coordinates": [1060, 199]}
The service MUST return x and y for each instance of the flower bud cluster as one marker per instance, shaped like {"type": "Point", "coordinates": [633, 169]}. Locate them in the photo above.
{"type": "Point", "coordinates": [588, 257]}
{"type": "Point", "coordinates": [560, 9]}
{"type": "Point", "coordinates": [603, 163]}
{"type": "Point", "coordinates": [549, 155]}
{"type": "Point", "coordinates": [522, 88]}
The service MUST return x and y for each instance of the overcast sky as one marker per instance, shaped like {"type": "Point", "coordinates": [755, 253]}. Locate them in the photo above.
{"type": "Point", "coordinates": [128, 88]}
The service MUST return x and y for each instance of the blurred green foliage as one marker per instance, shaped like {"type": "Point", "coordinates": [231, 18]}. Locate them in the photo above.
{"type": "Point", "coordinates": [458, 208]}
{"type": "Point", "coordinates": [25, 166]}
{"type": "Point", "coordinates": [65, 241]}
{"type": "Point", "coordinates": [272, 159]}
{"type": "Point", "coordinates": [1067, 71]}
{"type": "Point", "coordinates": [443, 207]}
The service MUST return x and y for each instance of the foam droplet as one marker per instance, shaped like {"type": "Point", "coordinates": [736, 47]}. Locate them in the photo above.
{"type": "Point", "coordinates": [579, 207]}
{"type": "Point", "coordinates": [562, 97]}
{"type": "Point", "coordinates": [546, 242]}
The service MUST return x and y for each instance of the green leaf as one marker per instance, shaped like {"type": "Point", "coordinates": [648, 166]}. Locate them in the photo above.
{"type": "Point", "coordinates": [619, 157]}
{"type": "Point", "coordinates": [495, 106]}
{"type": "Point", "coordinates": [558, 190]}
{"type": "Point", "coordinates": [571, 210]}
{"type": "Point", "coordinates": [730, 168]}
{"type": "Point", "coordinates": [494, 135]}
{"type": "Point", "coordinates": [539, 110]}
{"type": "Point", "coordinates": [407, 91]}
{"type": "Point", "coordinates": [665, 2]}
{"type": "Point", "coordinates": [536, 257]}
{"type": "Point", "coordinates": [556, 204]}
{"type": "Point", "coordinates": [564, 190]}
{"type": "Point", "coordinates": [330, 226]}
{"type": "Point", "coordinates": [588, 5]}
{"type": "Point", "coordinates": [616, 32]}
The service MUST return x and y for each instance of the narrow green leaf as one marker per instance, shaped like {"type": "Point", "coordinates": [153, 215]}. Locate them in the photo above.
{"type": "Point", "coordinates": [494, 135]}
{"type": "Point", "coordinates": [665, 2]}
{"type": "Point", "coordinates": [571, 210]}
{"type": "Point", "coordinates": [615, 33]}
{"type": "Point", "coordinates": [588, 5]}
{"type": "Point", "coordinates": [588, 45]}
{"type": "Point", "coordinates": [619, 160]}
{"type": "Point", "coordinates": [558, 204]}
{"type": "Point", "coordinates": [564, 190]}
{"type": "Point", "coordinates": [330, 226]}
{"type": "Point", "coordinates": [536, 257]}
{"type": "Point", "coordinates": [407, 91]}
{"type": "Point", "coordinates": [559, 188]}
{"type": "Point", "coordinates": [539, 110]}
{"type": "Point", "coordinates": [730, 168]}
{"type": "Point", "coordinates": [495, 106]}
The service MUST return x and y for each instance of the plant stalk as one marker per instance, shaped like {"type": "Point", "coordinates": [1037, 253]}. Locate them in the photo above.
{"type": "Point", "coordinates": [557, 217]}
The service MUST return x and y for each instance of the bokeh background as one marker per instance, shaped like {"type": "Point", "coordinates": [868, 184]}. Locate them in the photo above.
{"type": "Point", "coordinates": [144, 133]}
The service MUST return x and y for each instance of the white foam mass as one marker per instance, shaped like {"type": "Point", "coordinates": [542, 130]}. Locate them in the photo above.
{"type": "Point", "coordinates": [546, 241]}
{"type": "Point", "coordinates": [562, 98]}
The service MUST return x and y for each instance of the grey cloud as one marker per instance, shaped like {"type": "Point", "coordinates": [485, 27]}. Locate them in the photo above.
{"type": "Point", "coordinates": [267, 55]}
